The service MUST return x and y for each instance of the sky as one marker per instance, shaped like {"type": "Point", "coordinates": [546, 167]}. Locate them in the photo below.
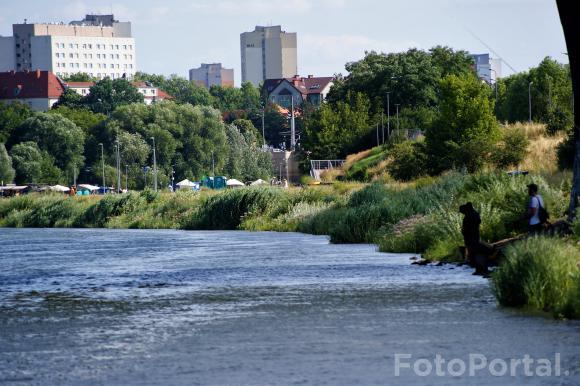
{"type": "Point", "coordinates": [173, 36]}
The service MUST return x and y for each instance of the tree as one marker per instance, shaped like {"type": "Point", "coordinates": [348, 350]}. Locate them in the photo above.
{"type": "Point", "coordinates": [6, 170]}
{"type": "Point", "coordinates": [512, 149]}
{"type": "Point", "coordinates": [69, 98]}
{"type": "Point", "coordinates": [466, 129]}
{"type": "Point", "coordinates": [11, 116]}
{"type": "Point", "coordinates": [107, 94]}
{"type": "Point", "coordinates": [244, 159]}
{"type": "Point", "coordinates": [56, 135]}
{"type": "Point", "coordinates": [84, 118]}
{"type": "Point", "coordinates": [28, 161]}
{"type": "Point", "coordinates": [245, 126]}
{"type": "Point", "coordinates": [79, 77]}
{"type": "Point", "coordinates": [408, 160]}
{"type": "Point", "coordinates": [226, 98]}
{"type": "Point", "coordinates": [333, 132]}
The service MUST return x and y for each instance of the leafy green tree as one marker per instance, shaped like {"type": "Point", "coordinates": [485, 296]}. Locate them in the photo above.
{"type": "Point", "coordinates": [512, 149]}
{"type": "Point", "coordinates": [226, 98]}
{"type": "Point", "coordinates": [79, 77]}
{"type": "Point", "coordinates": [246, 126]}
{"type": "Point", "coordinates": [245, 160]}
{"type": "Point", "coordinates": [56, 135]}
{"type": "Point", "coordinates": [28, 161]}
{"type": "Point", "coordinates": [250, 97]}
{"type": "Point", "coordinates": [333, 132]}
{"type": "Point", "coordinates": [108, 94]}
{"type": "Point", "coordinates": [69, 98]}
{"type": "Point", "coordinates": [82, 117]}
{"type": "Point", "coordinates": [466, 129]}
{"type": "Point", "coordinates": [6, 170]}
{"type": "Point", "coordinates": [11, 116]}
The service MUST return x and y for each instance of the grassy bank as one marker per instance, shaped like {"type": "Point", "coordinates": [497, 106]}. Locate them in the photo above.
{"type": "Point", "coordinates": [420, 217]}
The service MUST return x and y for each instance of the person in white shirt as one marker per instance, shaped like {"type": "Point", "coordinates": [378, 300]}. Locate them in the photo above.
{"type": "Point", "coordinates": [534, 223]}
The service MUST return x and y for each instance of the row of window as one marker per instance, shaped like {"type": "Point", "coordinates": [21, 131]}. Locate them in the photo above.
{"type": "Point", "coordinates": [90, 65]}
{"type": "Point", "coordinates": [96, 75]}
{"type": "Point", "coordinates": [98, 46]}
{"type": "Point", "coordinates": [90, 56]}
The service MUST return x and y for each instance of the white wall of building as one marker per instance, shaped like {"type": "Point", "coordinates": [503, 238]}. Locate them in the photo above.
{"type": "Point", "coordinates": [36, 104]}
{"type": "Point", "coordinates": [7, 54]}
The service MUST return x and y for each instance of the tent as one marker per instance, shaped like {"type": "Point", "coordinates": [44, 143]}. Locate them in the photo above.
{"type": "Point", "coordinates": [232, 183]}
{"type": "Point", "coordinates": [90, 188]}
{"type": "Point", "coordinates": [259, 182]}
{"type": "Point", "coordinates": [59, 188]}
{"type": "Point", "coordinates": [188, 185]}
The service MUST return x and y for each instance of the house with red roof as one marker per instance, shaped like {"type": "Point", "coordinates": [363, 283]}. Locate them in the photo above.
{"type": "Point", "coordinates": [37, 89]}
{"type": "Point", "coordinates": [40, 90]}
{"type": "Point", "coordinates": [310, 89]}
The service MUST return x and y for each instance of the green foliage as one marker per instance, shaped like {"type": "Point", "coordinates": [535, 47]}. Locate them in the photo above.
{"type": "Point", "coordinates": [28, 160]}
{"type": "Point", "coordinates": [108, 94]}
{"type": "Point", "coordinates": [57, 136]}
{"type": "Point", "coordinates": [6, 170]}
{"type": "Point", "coordinates": [11, 116]}
{"type": "Point", "coordinates": [82, 117]}
{"type": "Point", "coordinates": [70, 99]}
{"type": "Point", "coordinates": [79, 77]}
{"type": "Point", "coordinates": [466, 129]}
{"type": "Point", "coordinates": [182, 90]}
{"type": "Point", "coordinates": [359, 171]}
{"type": "Point", "coordinates": [541, 273]}
{"type": "Point", "coordinates": [566, 151]}
{"type": "Point", "coordinates": [409, 161]}
{"type": "Point", "coordinates": [245, 160]}
{"type": "Point", "coordinates": [511, 150]}
{"type": "Point", "coordinates": [558, 120]}
{"type": "Point", "coordinates": [333, 132]}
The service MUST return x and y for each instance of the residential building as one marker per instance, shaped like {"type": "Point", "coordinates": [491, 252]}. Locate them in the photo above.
{"type": "Point", "coordinates": [212, 74]}
{"type": "Point", "coordinates": [310, 89]}
{"type": "Point", "coordinates": [37, 89]}
{"type": "Point", "coordinates": [151, 94]}
{"type": "Point", "coordinates": [268, 53]}
{"type": "Point", "coordinates": [487, 68]}
{"type": "Point", "coordinates": [98, 45]}
{"type": "Point", "coordinates": [41, 89]}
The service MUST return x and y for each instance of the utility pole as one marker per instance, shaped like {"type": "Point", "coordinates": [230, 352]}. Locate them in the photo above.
{"type": "Point", "coordinates": [154, 166]}
{"type": "Point", "coordinates": [292, 128]}
{"type": "Point", "coordinates": [397, 106]}
{"type": "Point", "coordinates": [263, 125]}
{"type": "Point", "coordinates": [74, 175]}
{"type": "Point", "coordinates": [118, 168]}
{"type": "Point", "coordinates": [103, 162]}
{"type": "Point", "coordinates": [378, 143]}
{"type": "Point", "coordinates": [530, 101]}
{"type": "Point", "coordinates": [383, 124]}
{"type": "Point", "coordinates": [389, 114]}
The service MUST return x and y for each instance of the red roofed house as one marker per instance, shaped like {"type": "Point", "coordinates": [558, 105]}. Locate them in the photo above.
{"type": "Point", "coordinates": [311, 89]}
{"type": "Point", "coordinates": [38, 89]}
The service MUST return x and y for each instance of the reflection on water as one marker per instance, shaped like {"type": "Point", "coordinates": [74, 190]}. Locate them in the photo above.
{"type": "Point", "coordinates": [173, 307]}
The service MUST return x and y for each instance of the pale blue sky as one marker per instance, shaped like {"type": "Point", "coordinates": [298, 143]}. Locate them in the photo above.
{"type": "Point", "coordinates": [175, 35]}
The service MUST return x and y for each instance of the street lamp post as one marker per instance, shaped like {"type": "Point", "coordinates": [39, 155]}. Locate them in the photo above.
{"type": "Point", "coordinates": [154, 166]}
{"type": "Point", "coordinates": [530, 101]}
{"type": "Point", "coordinates": [103, 163]}
{"type": "Point", "coordinates": [118, 167]}
{"type": "Point", "coordinates": [389, 114]}
{"type": "Point", "coordinates": [397, 106]}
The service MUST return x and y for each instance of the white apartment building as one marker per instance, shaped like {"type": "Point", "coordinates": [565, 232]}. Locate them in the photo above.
{"type": "Point", "coordinates": [268, 53]}
{"type": "Point", "coordinates": [97, 45]}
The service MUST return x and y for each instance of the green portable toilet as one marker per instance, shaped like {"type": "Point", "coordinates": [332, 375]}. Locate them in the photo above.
{"type": "Point", "coordinates": [219, 182]}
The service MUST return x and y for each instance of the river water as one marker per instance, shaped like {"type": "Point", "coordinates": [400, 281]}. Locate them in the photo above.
{"type": "Point", "coordinates": [149, 307]}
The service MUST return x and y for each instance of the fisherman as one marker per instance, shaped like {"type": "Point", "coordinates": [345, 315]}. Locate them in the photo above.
{"type": "Point", "coordinates": [477, 253]}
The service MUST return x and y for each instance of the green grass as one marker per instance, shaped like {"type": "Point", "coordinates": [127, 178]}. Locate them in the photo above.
{"type": "Point", "coordinates": [540, 273]}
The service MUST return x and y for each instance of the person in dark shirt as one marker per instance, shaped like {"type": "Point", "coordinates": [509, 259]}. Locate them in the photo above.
{"type": "Point", "coordinates": [476, 252]}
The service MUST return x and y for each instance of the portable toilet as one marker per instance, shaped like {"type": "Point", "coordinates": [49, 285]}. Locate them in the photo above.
{"type": "Point", "coordinates": [208, 182]}
{"type": "Point", "coordinates": [220, 182]}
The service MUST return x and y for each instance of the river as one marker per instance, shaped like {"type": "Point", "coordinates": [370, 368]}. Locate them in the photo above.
{"type": "Point", "coordinates": [162, 307]}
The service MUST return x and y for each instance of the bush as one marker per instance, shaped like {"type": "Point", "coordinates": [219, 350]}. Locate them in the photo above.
{"type": "Point", "coordinates": [512, 150]}
{"type": "Point", "coordinates": [409, 161]}
{"type": "Point", "coordinates": [558, 120]}
{"type": "Point", "coordinates": [540, 273]}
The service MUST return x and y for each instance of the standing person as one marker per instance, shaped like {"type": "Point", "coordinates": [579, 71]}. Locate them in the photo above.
{"type": "Point", "coordinates": [470, 231]}
{"type": "Point", "coordinates": [536, 213]}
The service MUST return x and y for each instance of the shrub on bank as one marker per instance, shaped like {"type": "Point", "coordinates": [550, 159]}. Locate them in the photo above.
{"type": "Point", "coordinates": [541, 273]}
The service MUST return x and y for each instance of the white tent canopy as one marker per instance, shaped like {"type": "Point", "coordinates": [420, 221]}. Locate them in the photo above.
{"type": "Point", "coordinates": [259, 182]}
{"type": "Point", "coordinates": [88, 187]}
{"type": "Point", "coordinates": [185, 183]}
{"type": "Point", "coordinates": [59, 188]}
{"type": "Point", "coordinates": [234, 182]}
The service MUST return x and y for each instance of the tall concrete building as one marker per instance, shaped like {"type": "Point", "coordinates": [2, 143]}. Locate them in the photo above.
{"type": "Point", "coordinates": [212, 74]}
{"type": "Point", "coordinates": [487, 68]}
{"type": "Point", "coordinates": [98, 45]}
{"type": "Point", "coordinates": [268, 53]}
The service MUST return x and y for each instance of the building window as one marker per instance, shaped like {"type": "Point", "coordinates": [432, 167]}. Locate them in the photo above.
{"type": "Point", "coordinates": [98, 48]}
{"type": "Point", "coordinates": [85, 46]}
{"type": "Point", "coordinates": [98, 56]}
{"type": "Point", "coordinates": [90, 46]}
{"type": "Point", "coordinates": [112, 56]}
{"type": "Point", "coordinates": [70, 45]}
{"type": "Point", "coordinates": [116, 46]}
{"type": "Point", "coordinates": [70, 56]}
{"type": "Point", "coordinates": [84, 65]}
{"type": "Point", "coordinates": [124, 46]}
{"type": "Point", "coordinates": [90, 65]}
{"type": "Point", "coordinates": [112, 47]}
{"type": "Point", "coordinates": [117, 56]}
{"type": "Point", "coordinates": [112, 65]}
{"type": "Point", "coordinates": [130, 66]}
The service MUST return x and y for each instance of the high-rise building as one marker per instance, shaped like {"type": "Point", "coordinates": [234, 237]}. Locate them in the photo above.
{"type": "Point", "coordinates": [98, 45]}
{"type": "Point", "coordinates": [212, 74]}
{"type": "Point", "coordinates": [268, 53]}
{"type": "Point", "coordinates": [487, 68]}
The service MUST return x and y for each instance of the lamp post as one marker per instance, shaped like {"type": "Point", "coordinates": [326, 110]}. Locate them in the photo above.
{"type": "Point", "coordinates": [154, 166]}
{"type": "Point", "coordinates": [118, 166]}
{"type": "Point", "coordinates": [103, 163]}
{"type": "Point", "coordinates": [530, 101]}
{"type": "Point", "coordinates": [389, 114]}
{"type": "Point", "coordinates": [127, 178]}
{"type": "Point", "coordinates": [264, 125]}
{"type": "Point", "coordinates": [397, 106]}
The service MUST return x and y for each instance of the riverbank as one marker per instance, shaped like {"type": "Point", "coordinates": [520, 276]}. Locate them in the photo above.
{"type": "Point", "coordinates": [419, 217]}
